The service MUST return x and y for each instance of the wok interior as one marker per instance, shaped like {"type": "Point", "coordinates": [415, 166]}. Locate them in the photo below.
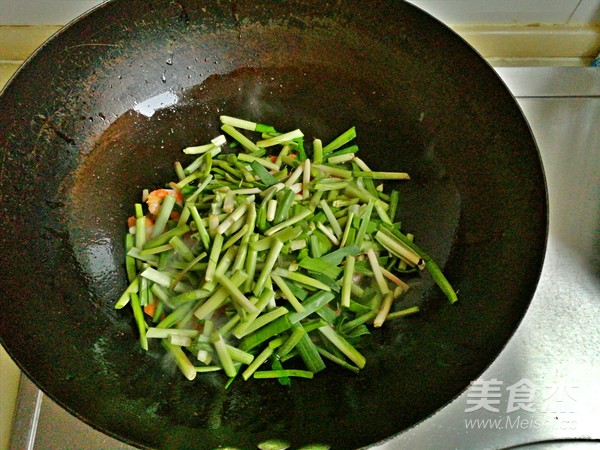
{"type": "Point", "coordinates": [476, 202]}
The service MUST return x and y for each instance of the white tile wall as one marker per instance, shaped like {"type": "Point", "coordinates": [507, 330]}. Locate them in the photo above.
{"type": "Point", "coordinates": [588, 11]}
{"type": "Point", "coordinates": [43, 12]}
{"type": "Point", "coordinates": [59, 12]}
{"type": "Point", "coordinates": [503, 11]}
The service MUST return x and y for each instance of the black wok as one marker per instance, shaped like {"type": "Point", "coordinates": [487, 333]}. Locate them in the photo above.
{"type": "Point", "coordinates": [76, 154]}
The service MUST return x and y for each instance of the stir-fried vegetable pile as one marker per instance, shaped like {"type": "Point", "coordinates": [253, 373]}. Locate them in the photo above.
{"type": "Point", "coordinates": [266, 263]}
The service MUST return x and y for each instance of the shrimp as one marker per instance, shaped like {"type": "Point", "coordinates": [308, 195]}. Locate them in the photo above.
{"type": "Point", "coordinates": [131, 222]}
{"type": "Point", "coordinates": [149, 227]}
{"type": "Point", "coordinates": [155, 198]}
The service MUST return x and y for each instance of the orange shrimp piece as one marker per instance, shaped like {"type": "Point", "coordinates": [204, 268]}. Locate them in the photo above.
{"type": "Point", "coordinates": [149, 227]}
{"type": "Point", "coordinates": [150, 309]}
{"type": "Point", "coordinates": [131, 222]}
{"type": "Point", "coordinates": [155, 198]}
{"type": "Point", "coordinates": [177, 193]}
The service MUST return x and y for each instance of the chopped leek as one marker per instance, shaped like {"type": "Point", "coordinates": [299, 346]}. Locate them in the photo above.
{"type": "Point", "coordinates": [262, 257]}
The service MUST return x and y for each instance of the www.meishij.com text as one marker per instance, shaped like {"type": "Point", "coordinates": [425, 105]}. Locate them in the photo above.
{"type": "Point", "coordinates": [521, 423]}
